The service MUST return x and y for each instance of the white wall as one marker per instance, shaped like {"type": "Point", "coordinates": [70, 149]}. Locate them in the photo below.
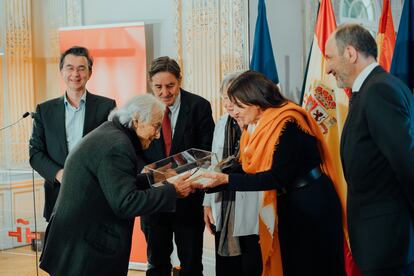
{"type": "Point", "coordinates": [285, 20]}
{"type": "Point", "coordinates": [159, 13]}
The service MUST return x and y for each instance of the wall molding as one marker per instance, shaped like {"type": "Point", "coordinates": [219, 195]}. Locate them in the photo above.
{"type": "Point", "coordinates": [214, 35]}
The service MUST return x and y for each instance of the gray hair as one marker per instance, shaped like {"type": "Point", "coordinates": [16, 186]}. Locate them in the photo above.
{"type": "Point", "coordinates": [141, 108]}
{"type": "Point", "coordinates": [228, 78]}
{"type": "Point", "coordinates": [356, 36]}
{"type": "Point", "coordinates": [164, 64]}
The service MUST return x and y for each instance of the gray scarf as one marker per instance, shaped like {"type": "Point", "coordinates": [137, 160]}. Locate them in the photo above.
{"type": "Point", "coordinates": [228, 244]}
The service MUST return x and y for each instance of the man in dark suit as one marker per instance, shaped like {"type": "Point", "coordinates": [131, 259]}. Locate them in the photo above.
{"type": "Point", "coordinates": [187, 123]}
{"type": "Point", "coordinates": [377, 151]}
{"type": "Point", "coordinates": [90, 231]}
{"type": "Point", "coordinates": [60, 123]}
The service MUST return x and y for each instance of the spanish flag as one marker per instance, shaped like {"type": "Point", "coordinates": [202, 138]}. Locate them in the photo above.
{"type": "Point", "coordinates": [328, 105]}
{"type": "Point", "coordinates": [322, 98]}
{"type": "Point", "coordinates": [386, 36]}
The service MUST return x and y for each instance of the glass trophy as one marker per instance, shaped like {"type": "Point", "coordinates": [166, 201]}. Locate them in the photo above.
{"type": "Point", "coordinates": [194, 161]}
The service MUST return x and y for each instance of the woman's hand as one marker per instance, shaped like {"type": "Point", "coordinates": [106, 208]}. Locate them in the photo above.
{"type": "Point", "coordinates": [216, 179]}
{"type": "Point", "coordinates": [208, 219]}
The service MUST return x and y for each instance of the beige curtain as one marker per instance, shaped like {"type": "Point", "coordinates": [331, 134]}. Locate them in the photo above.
{"type": "Point", "coordinates": [29, 67]}
{"type": "Point", "coordinates": [17, 79]}
{"type": "Point", "coordinates": [212, 40]}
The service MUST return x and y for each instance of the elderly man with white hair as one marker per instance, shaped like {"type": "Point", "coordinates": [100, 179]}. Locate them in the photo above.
{"type": "Point", "coordinates": [91, 227]}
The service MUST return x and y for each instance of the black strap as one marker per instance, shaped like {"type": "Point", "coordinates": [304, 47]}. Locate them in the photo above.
{"type": "Point", "coordinates": [303, 181]}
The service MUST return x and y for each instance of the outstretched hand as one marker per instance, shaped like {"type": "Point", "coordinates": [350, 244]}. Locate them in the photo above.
{"type": "Point", "coordinates": [216, 179]}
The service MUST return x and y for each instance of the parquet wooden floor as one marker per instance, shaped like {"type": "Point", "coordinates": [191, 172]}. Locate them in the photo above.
{"type": "Point", "coordinates": [22, 262]}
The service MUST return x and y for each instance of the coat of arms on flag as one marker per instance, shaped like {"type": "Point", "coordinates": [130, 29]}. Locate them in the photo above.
{"type": "Point", "coordinates": [320, 102]}
{"type": "Point", "coordinates": [328, 105]}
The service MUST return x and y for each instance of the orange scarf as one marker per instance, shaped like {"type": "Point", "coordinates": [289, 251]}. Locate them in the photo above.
{"type": "Point", "coordinates": [256, 154]}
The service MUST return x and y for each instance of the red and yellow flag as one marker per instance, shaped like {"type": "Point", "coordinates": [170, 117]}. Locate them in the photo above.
{"type": "Point", "coordinates": [328, 105]}
{"type": "Point", "coordinates": [386, 36]}
{"type": "Point", "coordinates": [322, 98]}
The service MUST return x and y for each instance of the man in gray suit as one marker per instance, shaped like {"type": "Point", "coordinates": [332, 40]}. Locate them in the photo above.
{"type": "Point", "coordinates": [377, 151]}
{"type": "Point", "coordinates": [90, 231]}
{"type": "Point", "coordinates": [59, 124]}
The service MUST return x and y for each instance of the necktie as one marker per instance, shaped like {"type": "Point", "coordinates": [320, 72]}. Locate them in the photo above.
{"type": "Point", "coordinates": [166, 131]}
{"type": "Point", "coordinates": [352, 98]}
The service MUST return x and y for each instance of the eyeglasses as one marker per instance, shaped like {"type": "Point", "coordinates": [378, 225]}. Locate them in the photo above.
{"type": "Point", "coordinates": [71, 69]}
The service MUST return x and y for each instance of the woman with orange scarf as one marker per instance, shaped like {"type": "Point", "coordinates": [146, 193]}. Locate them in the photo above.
{"type": "Point", "coordinates": [283, 153]}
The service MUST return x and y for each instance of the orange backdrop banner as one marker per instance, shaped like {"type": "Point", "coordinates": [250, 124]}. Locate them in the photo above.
{"type": "Point", "coordinates": [119, 72]}
{"type": "Point", "coordinates": [119, 53]}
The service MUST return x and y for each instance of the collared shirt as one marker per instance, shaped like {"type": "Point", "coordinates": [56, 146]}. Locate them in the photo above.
{"type": "Point", "coordinates": [74, 121]}
{"type": "Point", "coordinates": [175, 109]}
{"type": "Point", "coordinates": [362, 76]}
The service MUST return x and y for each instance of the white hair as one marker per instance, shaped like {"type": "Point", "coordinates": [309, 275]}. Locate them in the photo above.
{"type": "Point", "coordinates": [228, 78]}
{"type": "Point", "coordinates": [141, 108]}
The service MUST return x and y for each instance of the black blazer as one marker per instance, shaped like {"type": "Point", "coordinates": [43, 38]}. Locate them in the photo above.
{"type": "Point", "coordinates": [194, 129]}
{"type": "Point", "coordinates": [48, 147]}
{"type": "Point", "coordinates": [90, 232]}
{"type": "Point", "coordinates": [377, 151]}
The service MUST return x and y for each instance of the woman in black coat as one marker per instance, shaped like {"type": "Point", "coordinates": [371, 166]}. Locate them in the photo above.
{"type": "Point", "coordinates": [283, 153]}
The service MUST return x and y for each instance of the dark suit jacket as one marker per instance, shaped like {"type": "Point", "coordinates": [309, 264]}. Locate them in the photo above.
{"type": "Point", "coordinates": [90, 231]}
{"type": "Point", "coordinates": [377, 151]}
{"type": "Point", "coordinates": [48, 147]}
{"type": "Point", "coordinates": [194, 129]}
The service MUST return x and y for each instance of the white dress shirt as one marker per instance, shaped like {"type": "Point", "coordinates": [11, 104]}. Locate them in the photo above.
{"type": "Point", "coordinates": [362, 76]}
